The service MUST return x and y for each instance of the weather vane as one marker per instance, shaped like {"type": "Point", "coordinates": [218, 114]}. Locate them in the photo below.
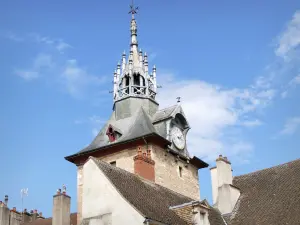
{"type": "Point", "coordinates": [133, 10]}
{"type": "Point", "coordinates": [178, 99]}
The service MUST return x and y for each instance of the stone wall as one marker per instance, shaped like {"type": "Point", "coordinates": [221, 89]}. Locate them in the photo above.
{"type": "Point", "coordinates": [167, 173]}
{"type": "Point", "coordinates": [123, 159]}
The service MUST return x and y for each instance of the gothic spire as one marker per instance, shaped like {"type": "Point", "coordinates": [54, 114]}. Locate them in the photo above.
{"type": "Point", "coordinates": [133, 31]}
{"type": "Point", "coordinates": [132, 78]}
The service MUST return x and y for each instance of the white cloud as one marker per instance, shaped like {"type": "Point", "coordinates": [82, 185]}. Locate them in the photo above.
{"type": "Point", "coordinates": [61, 46]}
{"type": "Point", "coordinates": [13, 37]}
{"type": "Point", "coordinates": [251, 123]}
{"type": "Point", "coordinates": [295, 80]}
{"type": "Point", "coordinates": [77, 79]}
{"type": "Point", "coordinates": [27, 75]}
{"type": "Point", "coordinates": [291, 126]}
{"type": "Point", "coordinates": [289, 40]}
{"type": "Point", "coordinates": [95, 122]}
{"type": "Point", "coordinates": [291, 85]}
{"type": "Point", "coordinates": [40, 63]}
{"type": "Point", "coordinates": [95, 132]}
{"type": "Point", "coordinates": [57, 43]}
{"type": "Point", "coordinates": [213, 111]}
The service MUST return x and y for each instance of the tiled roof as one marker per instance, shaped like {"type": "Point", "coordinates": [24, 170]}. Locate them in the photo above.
{"type": "Point", "coordinates": [150, 199]}
{"type": "Point", "coordinates": [268, 197]}
{"type": "Point", "coordinates": [214, 215]}
{"type": "Point", "coordinates": [48, 221]}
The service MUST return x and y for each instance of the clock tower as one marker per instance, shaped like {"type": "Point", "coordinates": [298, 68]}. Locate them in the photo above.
{"type": "Point", "coordinates": [139, 137]}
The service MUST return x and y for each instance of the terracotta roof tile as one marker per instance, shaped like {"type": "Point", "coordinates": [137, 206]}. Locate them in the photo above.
{"type": "Point", "coordinates": [269, 197]}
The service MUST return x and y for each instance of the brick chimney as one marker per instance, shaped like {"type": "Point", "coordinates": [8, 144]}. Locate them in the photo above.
{"type": "Point", "coordinates": [4, 213]}
{"type": "Point", "coordinates": [144, 164]}
{"type": "Point", "coordinates": [225, 195]}
{"type": "Point", "coordinates": [61, 208]}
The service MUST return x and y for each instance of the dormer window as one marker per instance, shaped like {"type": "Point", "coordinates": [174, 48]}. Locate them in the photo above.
{"type": "Point", "coordinates": [112, 133]}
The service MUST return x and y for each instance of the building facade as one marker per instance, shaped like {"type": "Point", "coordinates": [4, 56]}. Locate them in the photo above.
{"type": "Point", "coordinates": [137, 122]}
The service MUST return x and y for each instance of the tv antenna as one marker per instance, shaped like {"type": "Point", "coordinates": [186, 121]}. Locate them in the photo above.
{"type": "Point", "coordinates": [24, 193]}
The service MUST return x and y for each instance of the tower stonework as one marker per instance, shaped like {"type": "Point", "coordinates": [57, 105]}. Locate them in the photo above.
{"type": "Point", "coordinates": [137, 126]}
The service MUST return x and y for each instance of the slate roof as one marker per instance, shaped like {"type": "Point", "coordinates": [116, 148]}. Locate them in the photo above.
{"type": "Point", "coordinates": [150, 199]}
{"type": "Point", "coordinates": [138, 125]}
{"type": "Point", "coordinates": [268, 197]}
{"type": "Point", "coordinates": [164, 113]}
{"type": "Point", "coordinates": [48, 221]}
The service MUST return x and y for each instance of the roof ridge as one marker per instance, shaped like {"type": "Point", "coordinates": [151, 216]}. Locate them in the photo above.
{"type": "Point", "coordinates": [166, 108]}
{"type": "Point", "coordinates": [266, 169]}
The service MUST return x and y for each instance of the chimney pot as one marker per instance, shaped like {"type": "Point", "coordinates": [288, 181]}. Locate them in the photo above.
{"type": "Point", "coordinates": [139, 151]}
{"type": "Point", "coordinates": [14, 209]}
{"type": "Point", "coordinates": [149, 153]}
{"type": "Point", "coordinates": [35, 211]}
{"type": "Point", "coordinates": [61, 209]}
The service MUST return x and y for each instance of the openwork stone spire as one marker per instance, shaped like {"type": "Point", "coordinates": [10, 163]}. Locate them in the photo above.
{"type": "Point", "coordinates": [132, 77]}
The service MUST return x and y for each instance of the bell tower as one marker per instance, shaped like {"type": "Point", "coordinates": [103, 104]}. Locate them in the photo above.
{"type": "Point", "coordinates": [134, 85]}
{"type": "Point", "coordinates": [138, 137]}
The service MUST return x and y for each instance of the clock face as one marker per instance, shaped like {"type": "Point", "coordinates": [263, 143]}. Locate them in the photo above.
{"type": "Point", "coordinates": [178, 138]}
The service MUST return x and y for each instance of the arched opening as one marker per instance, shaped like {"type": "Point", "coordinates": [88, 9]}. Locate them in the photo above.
{"type": "Point", "coordinates": [136, 80]}
{"type": "Point", "coordinates": [180, 121]}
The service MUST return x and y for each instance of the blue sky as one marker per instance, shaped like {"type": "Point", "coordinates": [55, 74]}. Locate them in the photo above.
{"type": "Point", "coordinates": [235, 65]}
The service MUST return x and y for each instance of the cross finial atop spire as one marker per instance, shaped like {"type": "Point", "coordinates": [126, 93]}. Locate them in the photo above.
{"type": "Point", "coordinates": [133, 10]}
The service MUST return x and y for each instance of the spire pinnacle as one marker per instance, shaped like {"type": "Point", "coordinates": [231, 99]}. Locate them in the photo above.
{"type": "Point", "coordinates": [133, 10]}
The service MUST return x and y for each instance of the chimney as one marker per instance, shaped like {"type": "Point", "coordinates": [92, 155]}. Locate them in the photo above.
{"type": "Point", "coordinates": [15, 217]}
{"type": "Point", "coordinates": [40, 216]}
{"type": "Point", "coordinates": [26, 216]}
{"type": "Point", "coordinates": [144, 164]}
{"type": "Point", "coordinates": [34, 214]}
{"type": "Point", "coordinates": [225, 195]}
{"type": "Point", "coordinates": [61, 208]}
{"type": "Point", "coordinates": [4, 213]}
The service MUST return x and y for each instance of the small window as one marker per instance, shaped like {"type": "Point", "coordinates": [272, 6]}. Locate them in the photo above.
{"type": "Point", "coordinates": [180, 171]}
{"type": "Point", "coordinates": [114, 163]}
